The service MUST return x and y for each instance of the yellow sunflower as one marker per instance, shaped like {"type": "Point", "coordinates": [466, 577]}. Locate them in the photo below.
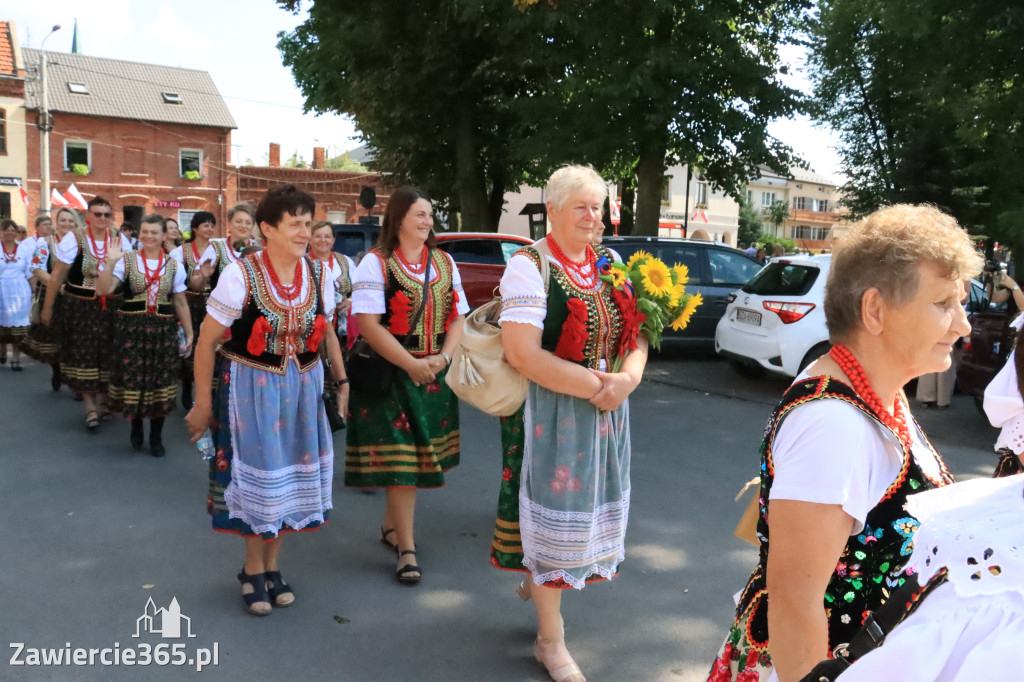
{"type": "Point", "coordinates": [678, 291]}
{"type": "Point", "coordinates": [682, 273]}
{"type": "Point", "coordinates": [657, 280]}
{"type": "Point", "coordinates": [637, 256]}
{"type": "Point", "coordinates": [618, 277]}
{"type": "Point", "coordinates": [684, 316]}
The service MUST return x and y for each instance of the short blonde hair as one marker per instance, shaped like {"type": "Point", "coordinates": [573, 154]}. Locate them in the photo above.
{"type": "Point", "coordinates": [883, 251]}
{"type": "Point", "coordinates": [570, 181]}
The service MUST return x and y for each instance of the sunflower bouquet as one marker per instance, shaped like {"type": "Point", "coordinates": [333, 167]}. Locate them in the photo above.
{"type": "Point", "coordinates": [651, 296]}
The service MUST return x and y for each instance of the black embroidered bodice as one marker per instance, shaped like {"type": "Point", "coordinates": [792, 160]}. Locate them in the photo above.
{"type": "Point", "coordinates": [430, 332]}
{"type": "Point", "coordinates": [136, 297]}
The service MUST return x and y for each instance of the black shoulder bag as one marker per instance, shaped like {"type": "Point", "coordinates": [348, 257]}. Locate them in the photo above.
{"type": "Point", "coordinates": [368, 372]}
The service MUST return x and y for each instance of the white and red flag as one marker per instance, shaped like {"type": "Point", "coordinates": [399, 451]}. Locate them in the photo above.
{"type": "Point", "coordinates": [24, 194]}
{"type": "Point", "coordinates": [56, 199]}
{"type": "Point", "coordinates": [700, 212]}
{"type": "Point", "coordinates": [75, 198]}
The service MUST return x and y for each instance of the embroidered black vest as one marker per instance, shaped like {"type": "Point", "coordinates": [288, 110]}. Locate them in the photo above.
{"type": "Point", "coordinates": [81, 281]}
{"type": "Point", "coordinates": [344, 281]}
{"type": "Point", "coordinates": [191, 262]}
{"type": "Point", "coordinates": [871, 563]}
{"type": "Point", "coordinates": [604, 320]}
{"type": "Point", "coordinates": [225, 257]}
{"type": "Point", "coordinates": [136, 297]}
{"type": "Point", "coordinates": [291, 326]}
{"type": "Point", "coordinates": [429, 335]}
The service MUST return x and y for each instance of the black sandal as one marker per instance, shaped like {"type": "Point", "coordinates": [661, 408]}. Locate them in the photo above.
{"type": "Point", "coordinates": [403, 572]}
{"type": "Point", "coordinates": [259, 591]}
{"type": "Point", "coordinates": [384, 533]}
{"type": "Point", "coordinates": [277, 587]}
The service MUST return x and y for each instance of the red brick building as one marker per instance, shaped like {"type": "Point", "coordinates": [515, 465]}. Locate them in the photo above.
{"type": "Point", "coordinates": [145, 137]}
{"type": "Point", "coordinates": [336, 192]}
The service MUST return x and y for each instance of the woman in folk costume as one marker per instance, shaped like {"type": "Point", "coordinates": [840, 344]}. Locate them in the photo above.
{"type": "Point", "coordinates": [564, 499]}
{"type": "Point", "coordinates": [144, 377]}
{"type": "Point", "coordinates": [87, 318]}
{"type": "Point", "coordinates": [408, 438]}
{"type": "Point", "coordinates": [340, 268]}
{"type": "Point", "coordinates": [274, 460]}
{"type": "Point", "coordinates": [841, 453]}
{"type": "Point", "coordinates": [43, 341]}
{"type": "Point", "coordinates": [224, 251]}
{"type": "Point", "coordinates": [201, 231]}
{"type": "Point", "coordinates": [15, 292]}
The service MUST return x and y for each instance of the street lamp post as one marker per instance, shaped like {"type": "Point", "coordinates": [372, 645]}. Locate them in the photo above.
{"type": "Point", "coordinates": [45, 125]}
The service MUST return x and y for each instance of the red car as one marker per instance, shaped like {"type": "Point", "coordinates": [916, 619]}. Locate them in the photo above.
{"type": "Point", "coordinates": [481, 257]}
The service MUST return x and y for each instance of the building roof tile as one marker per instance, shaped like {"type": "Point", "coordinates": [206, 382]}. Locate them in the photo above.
{"type": "Point", "coordinates": [129, 90]}
{"type": "Point", "coordinates": [6, 51]}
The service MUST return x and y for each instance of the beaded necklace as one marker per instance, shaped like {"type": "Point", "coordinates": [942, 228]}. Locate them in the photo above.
{"type": "Point", "coordinates": [415, 268]}
{"type": "Point", "coordinates": [575, 269]}
{"type": "Point", "coordinates": [895, 420]}
{"type": "Point", "coordinates": [151, 278]}
{"type": "Point", "coordinates": [287, 293]}
{"type": "Point", "coordinates": [12, 256]}
{"type": "Point", "coordinates": [100, 254]}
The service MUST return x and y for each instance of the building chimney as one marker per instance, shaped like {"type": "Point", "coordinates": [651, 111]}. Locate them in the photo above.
{"type": "Point", "coordinates": [275, 155]}
{"type": "Point", "coordinates": [319, 158]}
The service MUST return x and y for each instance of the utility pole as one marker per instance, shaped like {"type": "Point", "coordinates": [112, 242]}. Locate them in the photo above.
{"type": "Point", "coordinates": [45, 124]}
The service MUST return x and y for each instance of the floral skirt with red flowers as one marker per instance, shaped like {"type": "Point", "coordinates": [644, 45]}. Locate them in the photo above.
{"type": "Point", "coordinates": [408, 437]}
{"type": "Point", "coordinates": [738, 661]}
{"type": "Point", "coordinates": [574, 488]}
{"type": "Point", "coordinates": [274, 464]}
{"type": "Point", "coordinates": [507, 544]}
{"type": "Point", "coordinates": [144, 376]}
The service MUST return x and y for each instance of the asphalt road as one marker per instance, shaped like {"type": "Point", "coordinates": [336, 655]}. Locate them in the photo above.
{"type": "Point", "coordinates": [92, 530]}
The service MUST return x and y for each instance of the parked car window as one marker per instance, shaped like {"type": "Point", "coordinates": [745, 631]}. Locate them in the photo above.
{"type": "Point", "coordinates": [508, 249]}
{"type": "Point", "coordinates": [731, 268]}
{"type": "Point", "coordinates": [480, 251]}
{"type": "Point", "coordinates": [669, 253]}
{"type": "Point", "coordinates": [349, 243]}
{"type": "Point", "coordinates": [782, 279]}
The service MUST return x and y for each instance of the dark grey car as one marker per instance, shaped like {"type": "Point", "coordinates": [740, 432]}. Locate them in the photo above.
{"type": "Point", "coordinates": [716, 270]}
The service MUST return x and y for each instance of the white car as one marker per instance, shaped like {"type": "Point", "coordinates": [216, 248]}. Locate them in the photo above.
{"type": "Point", "coordinates": [776, 322]}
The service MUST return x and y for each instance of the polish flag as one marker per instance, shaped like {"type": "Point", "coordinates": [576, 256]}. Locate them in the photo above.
{"type": "Point", "coordinates": [56, 199]}
{"type": "Point", "coordinates": [75, 198]}
{"type": "Point", "coordinates": [24, 194]}
{"type": "Point", "coordinates": [702, 213]}
{"type": "Point", "coordinates": [615, 210]}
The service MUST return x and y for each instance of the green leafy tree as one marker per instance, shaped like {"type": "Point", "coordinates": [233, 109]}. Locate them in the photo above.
{"type": "Point", "coordinates": [776, 214]}
{"type": "Point", "coordinates": [343, 161]}
{"type": "Point", "coordinates": [749, 228]}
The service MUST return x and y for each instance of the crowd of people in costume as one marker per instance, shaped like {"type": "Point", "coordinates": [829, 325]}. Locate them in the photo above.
{"type": "Point", "coordinates": [256, 325]}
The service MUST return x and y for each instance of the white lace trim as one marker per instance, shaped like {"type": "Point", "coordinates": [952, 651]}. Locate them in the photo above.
{"type": "Point", "coordinates": [974, 529]}
{"type": "Point", "coordinates": [576, 583]}
{"type": "Point", "coordinates": [521, 319]}
{"type": "Point", "coordinates": [275, 529]}
{"type": "Point", "coordinates": [1012, 435]}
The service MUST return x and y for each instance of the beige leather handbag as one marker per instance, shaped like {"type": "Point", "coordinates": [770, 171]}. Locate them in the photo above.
{"type": "Point", "coordinates": [480, 375]}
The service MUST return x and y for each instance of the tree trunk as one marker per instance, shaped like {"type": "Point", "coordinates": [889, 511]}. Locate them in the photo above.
{"type": "Point", "coordinates": [650, 175]}
{"type": "Point", "coordinates": [627, 220]}
{"type": "Point", "coordinates": [469, 173]}
{"type": "Point", "coordinates": [496, 199]}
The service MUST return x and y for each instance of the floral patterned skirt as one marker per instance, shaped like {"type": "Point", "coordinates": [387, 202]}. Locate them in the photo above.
{"type": "Point", "coordinates": [408, 437]}
{"type": "Point", "coordinates": [43, 341]}
{"type": "Point", "coordinates": [738, 661]}
{"type": "Point", "coordinates": [274, 463]}
{"type": "Point", "coordinates": [87, 349]}
{"type": "Point", "coordinates": [144, 375]}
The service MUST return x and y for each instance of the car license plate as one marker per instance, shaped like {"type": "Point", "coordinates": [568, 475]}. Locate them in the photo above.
{"type": "Point", "coordinates": [748, 317]}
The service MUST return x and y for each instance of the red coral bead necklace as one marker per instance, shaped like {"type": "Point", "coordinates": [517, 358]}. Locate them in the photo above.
{"type": "Point", "coordinates": [895, 420]}
{"type": "Point", "coordinates": [576, 269]}
{"type": "Point", "coordinates": [287, 293]}
{"type": "Point", "coordinates": [99, 253]}
{"type": "Point", "coordinates": [415, 268]}
{"type": "Point", "coordinates": [12, 255]}
{"type": "Point", "coordinates": [151, 278]}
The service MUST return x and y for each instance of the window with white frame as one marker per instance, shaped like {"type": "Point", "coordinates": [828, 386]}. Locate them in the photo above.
{"type": "Point", "coordinates": [750, 197]}
{"type": "Point", "coordinates": [821, 205]}
{"type": "Point", "coordinates": [702, 193]}
{"type": "Point", "coordinates": [666, 189]}
{"type": "Point", "coordinates": [801, 203]}
{"type": "Point", "coordinates": [190, 161]}
{"type": "Point", "coordinates": [767, 199]}
{"type": "Point", "coordinates": [808, 232]}
{"type": "Point", "coordinates": [77, 153]}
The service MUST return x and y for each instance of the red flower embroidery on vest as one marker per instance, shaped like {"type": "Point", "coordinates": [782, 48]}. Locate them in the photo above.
{"type": "Point", "coordinates": [257, 343]}
{"type": "Point", "coordinates": [631, 321]}
{"type": "Point", "coordinates": [400, 306]}
{"type": "Point", "coordinates": [454, 312]}
{"type": "Point", "coordinates": [574, 332]}
{"type": "Point", "coordinates": [317, 335]}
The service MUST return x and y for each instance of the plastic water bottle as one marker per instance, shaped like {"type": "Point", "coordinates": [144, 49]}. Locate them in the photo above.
{"type": "Point", "coordinates": [205, 445]}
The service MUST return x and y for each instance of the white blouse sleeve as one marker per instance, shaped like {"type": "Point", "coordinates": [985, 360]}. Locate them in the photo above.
{"type": "Point", "coordinates": [828, 452]}
{"type": "Point", "coordinates": [461, 305]}
{"type": "Point", "coordinates": [226, 301]}
{"type": "Point", "coordinates": [119, 267]}
{"type": "Point", "coordinates": [368, 287]}
{"type": "Point", "coordinates": [178, 254]}
{"type": "Point", "coordinates": [523, 298]}
{"type": "Point", "coordinates": [178, 286]}
{"type": "Point", "coordinates": [126, 244]}
{"type": "Point", "coordinates": [209, 256]}
{"type": "Point", "coordinates": [327, 286]}
{"type": "Point", "coordinates": [40, 256]}
{"type": "Point", "coordinates": [67, 249]}
{"type": "Point", "coordinates": [1005, 408]}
